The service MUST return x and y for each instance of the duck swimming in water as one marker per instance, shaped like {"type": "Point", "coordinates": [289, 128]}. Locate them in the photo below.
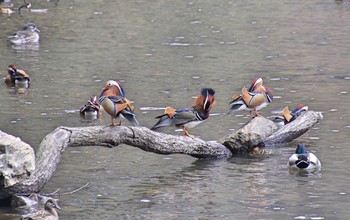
{"type": "Point", "coordinates": [304, 160]}
{"type": "Point", "coordinates": [91, 109]}
{"type": "Point", "coordinates": [17, 77]}
{"type": "Point", "coordinates": [48, 213]}
{"type": "Point", "coordinates": [27, 35]}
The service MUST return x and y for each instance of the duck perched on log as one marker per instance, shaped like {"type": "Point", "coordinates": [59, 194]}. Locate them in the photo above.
{"type": "Point", "coordinates": [27, 35]}
{"type": "Point", "coordinates": [114, 102]}
{"type": "Point", "coordinates": [255, 98]}
{"type": "Point", "coordinates": [17, 77]}
{"type": "Point", "coordinates": [287, 116]}
{"type": "Point", "coordinates": [188, 117]}
{"type": "Point", "coordinates": [48, 213]}
{"type": "Point", "coordinates": [304, 160]}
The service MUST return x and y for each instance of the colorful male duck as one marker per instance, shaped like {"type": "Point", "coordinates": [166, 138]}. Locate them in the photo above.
{"type": "Point", "coordinates": [114, 102]}
{"type": "Point", "coordinates": [17, 77]}
{"type": "Point", "coordinates": [287, 116]}
{"type": "Point", "coordinates": [304, 160]}
{"type": "Point", "coordinates": [188, 117]}
{"type": "Point", "coordinates": [27, 35]}
{"type": "Point", "coordinates": [48, 213]}
{"type": "Point", "coordinates": [255, 98]}
{"type": "Point", "coordinates": [6, 9]}
{"type": "Point", "coordinates": [9, 9]}
{"type": "Point", "coordinates": [91, 109]}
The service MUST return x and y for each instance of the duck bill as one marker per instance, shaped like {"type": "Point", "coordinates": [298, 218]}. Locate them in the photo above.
{"type": "Point", "coordinates": [57, 207]}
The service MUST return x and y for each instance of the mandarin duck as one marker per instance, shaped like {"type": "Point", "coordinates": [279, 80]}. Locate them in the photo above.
{"type": "Point", "coordinates": [255, 98]}
{"type": "Point", "coordinates": [114, 102]}
{"type": "Point", "coordinates": [304, 160]}
{"type": "Point", "coordinates": [91, 109]}
{"type": "Point", "coordinates": [9, 9]}
{"type": "Point", "coordinates": [6, 9]}
{"type": "Point", "coordinates": [27, 35]}
{"type": "Point", "coordinates": [287, 116]}
{"type": "Point", "coordinates": [188, 117]}
{"type": "Point", "coordinates": [48, 213]}
{"type": "Point", "coordinates": [17, 77]}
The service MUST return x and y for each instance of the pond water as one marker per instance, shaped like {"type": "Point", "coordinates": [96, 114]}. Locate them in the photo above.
{"type": "Point", "coordinates": [164, 52]}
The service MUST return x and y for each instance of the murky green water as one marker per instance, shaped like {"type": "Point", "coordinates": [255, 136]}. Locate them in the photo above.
{"type": "Point", "coordinates": [164, 52]}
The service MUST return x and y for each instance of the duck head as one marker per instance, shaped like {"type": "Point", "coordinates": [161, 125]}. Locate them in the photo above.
{"type": "Point", "coordinates": [206, 100]}
{"type": "Point", "coordinates": [300, 108]}
{"type": "Point", "coordinates": [257, 85]}
{"type": "Point", "coordinates": [52, 203]}
{"type": "Point", "coordinates": [93, 100]}
{"type": "Point", "coordinates": [30, 27]}
{"type": "Point", "coordinates": [114, 87]}
{"type": "Point", "coordinates": [12, 70]}
{"type": "Point", "coordinates": [301, 149]}
{"type": "Point", "coordinates": [25, 5]}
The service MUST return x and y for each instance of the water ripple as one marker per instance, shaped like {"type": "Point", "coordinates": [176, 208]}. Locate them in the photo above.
{"type": "Point", "coordinates": [149, 108]}
{"type": "Point", "coordinates": [309, 217]}
{"type": "Point", "coordinates": [180, 44]}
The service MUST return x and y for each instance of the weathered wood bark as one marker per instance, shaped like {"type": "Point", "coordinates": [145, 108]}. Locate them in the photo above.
{"type": "Point", "coordinates": [256, 132]}
{"type": "Point", "coordinates": [47, 158]}
{"type": "Point", "coordinates": [249, 136]}
{"type": "Point", "coordinates": [293, 130]}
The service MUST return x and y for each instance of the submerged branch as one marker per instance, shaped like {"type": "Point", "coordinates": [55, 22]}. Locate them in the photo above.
{"type": "Point", "coordinates": [76, 190]}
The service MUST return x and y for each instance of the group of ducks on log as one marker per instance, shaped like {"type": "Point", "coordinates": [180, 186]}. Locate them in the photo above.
{"type": "Point", "coordinates": [113, 101]}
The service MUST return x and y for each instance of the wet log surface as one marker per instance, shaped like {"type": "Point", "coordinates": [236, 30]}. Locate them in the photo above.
{"type": "Point", "coordinates": [259, 131]}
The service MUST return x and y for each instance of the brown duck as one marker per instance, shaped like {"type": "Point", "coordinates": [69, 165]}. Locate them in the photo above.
{"type": "Point", "coordinates": [48, 213]}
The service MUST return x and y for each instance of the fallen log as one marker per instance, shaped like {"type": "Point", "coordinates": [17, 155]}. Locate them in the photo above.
{"type": "Point", "coordinates": [257, 132]}
{"type": "Point", "coordinates": [293, 130]}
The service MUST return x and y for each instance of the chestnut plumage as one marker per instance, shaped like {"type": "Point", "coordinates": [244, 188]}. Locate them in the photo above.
{"type": "Point", "coordinates": [188, 117]}
{"type": "Point", "coordinates": [255, 98]}
{"type": "Point", "coordinates": [114, 102]}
